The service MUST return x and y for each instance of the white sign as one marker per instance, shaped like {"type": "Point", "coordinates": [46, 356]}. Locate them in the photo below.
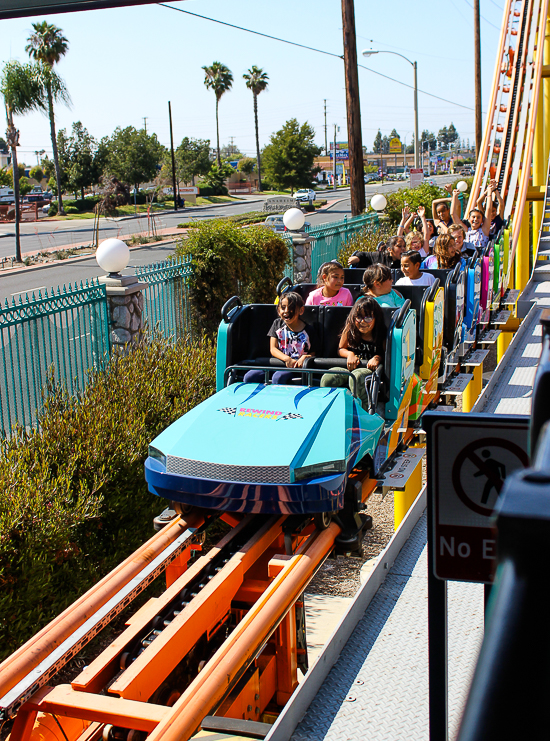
{"type": "Point", "coordinates": [416, 177]}
{"type": "Point", "coordinates": [189, 190]}
{"type": "Point", "coordinates": [471, 455]}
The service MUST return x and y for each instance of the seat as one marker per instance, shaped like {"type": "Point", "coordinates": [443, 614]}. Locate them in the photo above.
{"type": "Point", "coordinates": [353, 275]}
{"type": "Point", "coordinates": [454, 281]}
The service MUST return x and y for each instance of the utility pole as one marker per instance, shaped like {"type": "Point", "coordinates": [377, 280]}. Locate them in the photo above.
{"type": "Point", "coordinates": [231, 144]}
{"type": "Point", "coordinates": [145, 123]}
{"type": "Point", "coordinates": [326, 142]}
{"type": "Point", "coordinates": [173, 160]}
{"type": "Point", "coordinates": [477, 84]}
{"type": "Point", "coordinates": [355, 143]}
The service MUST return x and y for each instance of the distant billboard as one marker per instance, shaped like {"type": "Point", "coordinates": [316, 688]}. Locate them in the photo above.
{"type": "Point", "coordinates": [341, 154]}
{"type": "Point", "coordinates": [22, 8]}
{"type": "Point", "coordinates": [339, 145]}
{"type": "Point", "coordinates": [395, 145]}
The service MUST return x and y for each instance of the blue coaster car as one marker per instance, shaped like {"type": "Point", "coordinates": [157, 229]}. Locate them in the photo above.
{"type": "Point", "coordinates": [263, 448]}
{"type": "Point", "coordinates": [454, 282]}
{"type": "Point", "coordinates": [473, 296]}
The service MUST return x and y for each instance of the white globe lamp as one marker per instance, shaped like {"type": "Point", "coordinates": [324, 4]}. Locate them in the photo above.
{"type": "Point", "coordinates": [293, 219]}
{"type": "Point", "coordinates": [378, 202]}
{"type": "Point", "coordinates": [113, 256]}
{"type": "Point", "coordinates": [462, 186]}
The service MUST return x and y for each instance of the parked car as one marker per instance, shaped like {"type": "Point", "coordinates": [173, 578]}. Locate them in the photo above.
{"type": "Point", "coordinates": [7, 195]}
{"type": "Point", "coordinates": [305, 194]}
{"type": "Point", "coordinates": [275, 223]}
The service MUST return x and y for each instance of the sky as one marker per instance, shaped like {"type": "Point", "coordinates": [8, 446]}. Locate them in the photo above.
{"type": "Point", "coordinates": [125, 64]}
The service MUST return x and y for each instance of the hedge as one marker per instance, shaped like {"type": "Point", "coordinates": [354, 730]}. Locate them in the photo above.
{"type": "Point", "coordinates": [228, 261]}
{"type": "Point", "coordinates": [74, 500]}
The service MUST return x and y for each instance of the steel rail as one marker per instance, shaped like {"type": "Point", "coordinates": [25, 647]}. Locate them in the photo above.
{"type": "Point", "coordinates": [32, 665]}
{"type": "Point", "coordinates": [491, 122]}
{"type": "Point", "coordinates": [246, 642]}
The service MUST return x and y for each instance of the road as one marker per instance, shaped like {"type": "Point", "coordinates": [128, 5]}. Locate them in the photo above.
{"type": "Point", "coordinates": [36, 236]}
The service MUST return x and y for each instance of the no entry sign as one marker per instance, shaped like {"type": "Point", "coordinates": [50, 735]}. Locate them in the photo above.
{"type": "Point", "coordinates": [469, 457]}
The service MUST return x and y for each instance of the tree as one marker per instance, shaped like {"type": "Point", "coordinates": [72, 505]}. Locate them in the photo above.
{"type": "Point", "coordinates": [447, 136]}
{"type": "Point", "coordinates": [289, 156]}
{"type": "Point", "coordinates": [37, 173]}
{"type": "Point", "coordinates": [217, 175]}
{"type": "Point", "coordinates": [47, 45]}
{"type": "Point", "coordinates": [428, 136]}
{"type": "Point", "coordinates": [247, 165]}
{"type": "Point", "coordinates": [48, 166]}
{"type": "Point", "coordinates": [192, 159]}
{"type": "Point", "coordinates": [6, 177]}
{"type": "Point", "coordinates": [218, 78]}
{"type": "Point", "coordinates": [376, 147]}
{"type": "Point", "coordinates": [77, 156]}
{"type": "Point", "coordinates": [385, 145]}
{"type": "Point", "coordinates": [257, 81]}
{"type": "Point", "coordinates": [24, 185]}
{"type": "Point", "coordinates": [22, 93]}
{"type": "Point", "coordinates": [394, 135]}
{"type": "Point", "coordinates": [3, 146]}
{"type": "Point", "coordinates": [230, 153]}
{"type": "Point", "coordinates": [133, 156]}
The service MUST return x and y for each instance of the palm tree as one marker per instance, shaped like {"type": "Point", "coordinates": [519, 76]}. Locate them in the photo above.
{"type": "Point", "coordinates": [218, 77]}
{"type": "Point", "coordinates": [47, 45]}
{"type": "Point", "coordinates": [22, 91]}
{"type": "Point", "coordinates": [256, 80]}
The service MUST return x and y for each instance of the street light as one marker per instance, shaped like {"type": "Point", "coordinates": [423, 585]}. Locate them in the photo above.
{"type": "Point", "coordinates": [369, 53]}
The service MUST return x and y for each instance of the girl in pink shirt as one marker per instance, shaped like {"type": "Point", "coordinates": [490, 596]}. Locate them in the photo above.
{"type": "Point", "coordinates": [331, 291]}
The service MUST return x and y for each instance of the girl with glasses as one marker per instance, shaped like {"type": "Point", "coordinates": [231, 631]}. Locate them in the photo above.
{"type": "Point", "coordinates": [362, 344]}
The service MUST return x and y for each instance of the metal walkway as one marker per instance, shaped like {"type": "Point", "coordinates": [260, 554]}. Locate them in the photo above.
{"type": "Point", "coordinates": [371, 679]}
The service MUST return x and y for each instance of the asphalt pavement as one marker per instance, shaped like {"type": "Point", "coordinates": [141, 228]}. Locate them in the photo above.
{"type": "Point", "coordinates": [48, 234]}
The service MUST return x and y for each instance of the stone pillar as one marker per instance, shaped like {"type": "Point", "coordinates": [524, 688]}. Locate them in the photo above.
{"type": "Point", "coordinates": [302, 258]}
{"type": "Point", "coordinates": [125, 299]}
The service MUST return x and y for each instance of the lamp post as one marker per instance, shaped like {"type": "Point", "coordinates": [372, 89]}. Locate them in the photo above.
{"type": "Point", "coordinates": [369, 53]}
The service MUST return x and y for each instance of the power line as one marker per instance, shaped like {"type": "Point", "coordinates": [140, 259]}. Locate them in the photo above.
{"type": "Point", "coordinates": [482, 17]}
{"type": "Point", "coordinates": [310, 48]}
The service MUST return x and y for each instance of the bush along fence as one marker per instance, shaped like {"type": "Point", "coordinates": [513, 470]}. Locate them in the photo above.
{"type": "Point", "coordinates": [327, 239]}
{"type": "Point", "coordinates": [60, 337]}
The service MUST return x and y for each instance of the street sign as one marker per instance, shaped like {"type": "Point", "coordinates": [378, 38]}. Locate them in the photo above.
{"type": "Point", "coordinates": [395, 145]}
{"type": "Point", "coordinates": [416, 176]}
{"type": "Point", "coordinates": [469, 458]}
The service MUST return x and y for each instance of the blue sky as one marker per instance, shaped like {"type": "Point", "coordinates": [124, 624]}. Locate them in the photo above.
{"type": "Point", "coordinates": [126, 63]}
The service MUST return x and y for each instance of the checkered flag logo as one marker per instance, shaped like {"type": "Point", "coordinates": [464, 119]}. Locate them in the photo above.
{"type": "Point", "coordinates": [292, 415]}
{"type": "Point", "coordinates": [228, 410]}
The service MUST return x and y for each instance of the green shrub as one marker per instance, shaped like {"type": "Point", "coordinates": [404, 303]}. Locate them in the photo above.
{"type": "Point", "coordinates": [208, 190]}
{"type": "Point", "coordinates": [71, 210]}
{"type": "Point", "coordinates": [74, 500]}
{"type": "Point", "coordinates": [366, 240]}
{"type": "Point", "coordinates": [52, 211]}
{"type": "Point", "coordinates": [230, 261]}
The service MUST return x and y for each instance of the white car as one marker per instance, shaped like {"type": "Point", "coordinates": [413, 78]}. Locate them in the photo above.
{"type": "Point", "coordinates": [305, 194]}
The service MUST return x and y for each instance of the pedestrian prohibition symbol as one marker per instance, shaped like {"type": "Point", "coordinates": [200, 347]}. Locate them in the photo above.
{"type": "Point", "coordinates": [469, 458]}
